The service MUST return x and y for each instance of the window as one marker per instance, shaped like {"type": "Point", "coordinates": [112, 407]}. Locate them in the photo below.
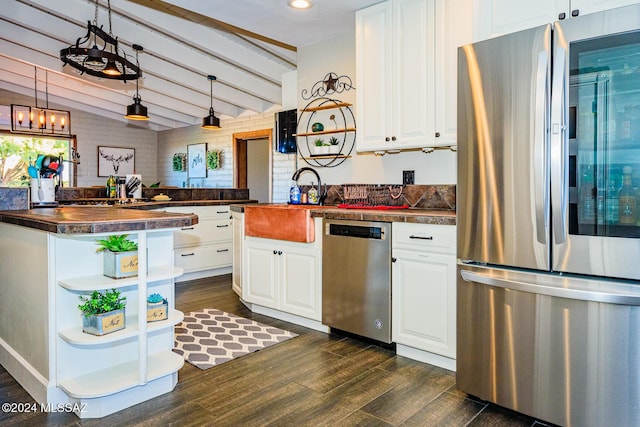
{"type": "Point", "coordinates": [18, 152]}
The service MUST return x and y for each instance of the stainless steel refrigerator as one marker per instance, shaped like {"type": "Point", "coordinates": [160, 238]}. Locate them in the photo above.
{"type": "Point", "coordinates": [548, 204]}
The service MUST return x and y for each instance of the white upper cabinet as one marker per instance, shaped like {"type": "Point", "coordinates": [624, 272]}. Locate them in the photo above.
{"type": "Point", "coordinates": [406, 72]}
{"type": "Point", "coordinates": [374, 66]}
{"type": "Point", "coordinates": [497, 17]}
{"type": "Point", "coordinates": [454, 28]}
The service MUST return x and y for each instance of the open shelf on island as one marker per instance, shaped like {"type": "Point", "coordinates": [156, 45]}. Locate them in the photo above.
{"type": "Point", "coordinates": [99, 281]}
{"type": "Point", "coordinates": [77, 337]}
{"type": "Point", "coordinates": [120, 377]}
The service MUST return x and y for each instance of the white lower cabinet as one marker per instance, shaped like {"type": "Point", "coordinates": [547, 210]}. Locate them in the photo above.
{"type": "Point", "coordinates": [424, 289]}
{"type": "Point", "coordinates": [238, 236]}
{"type": "Point", "coordinates": [207, 245]}
{"type": "Point", "coordinates": [284, 276]}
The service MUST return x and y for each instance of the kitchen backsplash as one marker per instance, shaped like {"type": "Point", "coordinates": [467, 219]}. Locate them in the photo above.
{"type": "Point", "coordinates": [176, 193]}
{"type": "Point", "coordinates": [416, 196]}
{"type": "Point", "coordinates": [14, 198]}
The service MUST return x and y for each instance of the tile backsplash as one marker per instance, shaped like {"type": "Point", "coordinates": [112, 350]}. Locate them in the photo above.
{"type": "Point", "coordinates": [415, 196]}
{"type": "Point", "coordinates": [14, 198]}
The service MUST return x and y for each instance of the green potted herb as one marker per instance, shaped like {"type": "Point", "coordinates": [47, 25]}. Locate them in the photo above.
{"type": "Point", "coordinates": [103, 312]}
{"type": "Point", "coordinates": [334, 147]}
{"type": "Point", "coordinates": [318, 144]}
{"type": "Point", "coordinates": [120, 256]}
{"type": "Point", "coordinates": [157, 307]}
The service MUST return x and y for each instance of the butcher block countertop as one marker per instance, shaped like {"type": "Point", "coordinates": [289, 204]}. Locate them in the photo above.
{"type": "Point", "coordinates": [81, 220]}
{"type": "Point", "coordinates": [418, 216]}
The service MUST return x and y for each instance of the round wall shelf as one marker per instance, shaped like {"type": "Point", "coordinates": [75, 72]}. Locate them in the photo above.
{"type": "Point", "coordinates": [329, 132]}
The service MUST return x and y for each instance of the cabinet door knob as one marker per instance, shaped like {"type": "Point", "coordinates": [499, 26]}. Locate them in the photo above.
{"type": "Point", "coordinates": [393, 260]}
{"type": "Point", "coordinates": [562, 16]}
{"type": "Point", "coordinates": [387, 139]}
{"type": "Point", "coordinates": [575, 12]}
{"type": "Point", "coordinates": [437, 134]}
{"type": "Point", "coordinates": [393, 138]}
{"type": "Point", "coordinates": [275, 252]}
{"type": "Point", "coordinates": [279, 252]}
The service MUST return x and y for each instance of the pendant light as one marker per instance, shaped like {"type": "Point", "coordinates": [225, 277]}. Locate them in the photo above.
{"type": "Point", "coordinates": [211, 121]}
{"type": "Point", "coordinates": [137, 111]}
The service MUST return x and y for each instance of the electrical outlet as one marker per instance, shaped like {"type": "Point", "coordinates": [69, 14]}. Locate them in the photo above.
{"type": "Point", "coordinates": [408, 177]}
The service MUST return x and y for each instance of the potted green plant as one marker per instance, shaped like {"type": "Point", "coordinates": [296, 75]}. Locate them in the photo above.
{"type": "Point", "coordinates": [318, 144]}
{"type": "Point", "coordinates": [334, 147]}
{"type": "Point", "coordinates": [102, 312]}
{"type": "Point", "coordinates": [120, 256]}
{"type": "Point", "coordinates": [157, 308]}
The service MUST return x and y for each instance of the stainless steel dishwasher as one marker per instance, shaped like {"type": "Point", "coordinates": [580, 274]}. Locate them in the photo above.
{"type": "Point", "coordinates": [356, 278]}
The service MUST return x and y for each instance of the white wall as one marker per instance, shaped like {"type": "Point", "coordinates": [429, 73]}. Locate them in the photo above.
{"type": "Point", "coordinates": [338, 55]}
{"type": "Point", "coordinates": [176, 141]}
{"type": "Point", "coordinates": [93, 131]}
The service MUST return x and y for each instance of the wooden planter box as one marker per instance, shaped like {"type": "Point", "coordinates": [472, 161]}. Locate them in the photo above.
{"type": "Point", "coordinates": [157, 311]}
{"type": "Point", "coordinates": [100, 324]}
{"type": "Point", "coordinates": [120, 264]}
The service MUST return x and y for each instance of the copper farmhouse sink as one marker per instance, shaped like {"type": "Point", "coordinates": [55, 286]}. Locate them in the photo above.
{"type": "Point", "coordinates": [282, 222]}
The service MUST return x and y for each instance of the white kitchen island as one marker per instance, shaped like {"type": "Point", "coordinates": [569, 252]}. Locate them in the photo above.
{"type": "Point", "coordinates": [47, 261]}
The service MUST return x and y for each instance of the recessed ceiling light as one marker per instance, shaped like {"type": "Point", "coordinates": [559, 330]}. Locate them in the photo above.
{"type": "Point", "coordinates": [301, 4]}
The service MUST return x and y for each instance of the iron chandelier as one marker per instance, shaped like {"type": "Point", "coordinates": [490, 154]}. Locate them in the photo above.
{"type": "Point", "coordinates": [98, 54]}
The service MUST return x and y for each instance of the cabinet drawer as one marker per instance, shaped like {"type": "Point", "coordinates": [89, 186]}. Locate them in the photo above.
{"type": "Point", "coordinates": [206, 231]}
{"type": "Point", "coordinates": [428, 237]}
{"type": "Point", "coordinates": [204, 257]}
{"type": "Point", "coordinates": [203, 212]}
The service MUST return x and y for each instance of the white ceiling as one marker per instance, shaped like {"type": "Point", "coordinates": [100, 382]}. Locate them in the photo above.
{"type": "Point", "coordinates": [246, 44]}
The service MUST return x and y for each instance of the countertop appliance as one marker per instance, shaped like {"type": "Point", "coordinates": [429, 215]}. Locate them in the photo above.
{"type": "Point", "coordinates": [548, 322]}
{"type": "Point", "coordinates": [356, 278]}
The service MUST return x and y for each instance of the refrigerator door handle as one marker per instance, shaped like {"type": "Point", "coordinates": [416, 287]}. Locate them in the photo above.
{"type": "Point", "coordinates": [541, 180]}
{"type": "Point", "coordinates": [558, 147]}
{"type": "Point", "coordinates": [552, 291]}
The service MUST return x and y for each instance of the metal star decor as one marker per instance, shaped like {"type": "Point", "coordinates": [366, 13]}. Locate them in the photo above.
{"type": "Point", "coordinates": [330, 82]}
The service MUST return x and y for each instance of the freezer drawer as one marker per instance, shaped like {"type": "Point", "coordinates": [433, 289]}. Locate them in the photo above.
{"type": "Point", "coordinates": [563, 350]}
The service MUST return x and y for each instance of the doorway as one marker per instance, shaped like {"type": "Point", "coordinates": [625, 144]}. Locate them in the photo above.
{"type": "Point", "coordinates": [253, 163]}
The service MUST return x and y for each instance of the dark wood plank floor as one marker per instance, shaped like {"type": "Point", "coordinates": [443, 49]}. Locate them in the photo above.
{"type": "Point", "coordinates": [313, 380]}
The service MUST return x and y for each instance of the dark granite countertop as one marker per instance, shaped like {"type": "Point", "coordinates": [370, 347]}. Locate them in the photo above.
{"type": "Point", "coordinates": [92, 219]}
{"type": "Point", "coordinates": [412, 215]}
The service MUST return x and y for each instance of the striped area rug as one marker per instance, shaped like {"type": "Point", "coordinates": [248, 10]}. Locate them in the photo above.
{"type": "Point", "coordinates": [209, 337]}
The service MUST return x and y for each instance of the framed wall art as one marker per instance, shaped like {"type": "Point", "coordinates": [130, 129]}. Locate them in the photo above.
{"type": "Point", "coordinates": [116, 161]}
{"type": "Point", "coordinates": [197, 160]}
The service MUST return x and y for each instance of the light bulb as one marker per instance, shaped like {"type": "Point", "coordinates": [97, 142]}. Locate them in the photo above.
{"type": "Point", "coordinates": [300, 4]}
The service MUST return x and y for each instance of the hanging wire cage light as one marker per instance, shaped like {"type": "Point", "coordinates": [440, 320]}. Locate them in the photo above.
{"type": "Point", "coordinates": [98, 54]}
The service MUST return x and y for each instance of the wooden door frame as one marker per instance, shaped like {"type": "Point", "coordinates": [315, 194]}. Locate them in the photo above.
{"type": "Point", "coordinates": [240, 140]}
